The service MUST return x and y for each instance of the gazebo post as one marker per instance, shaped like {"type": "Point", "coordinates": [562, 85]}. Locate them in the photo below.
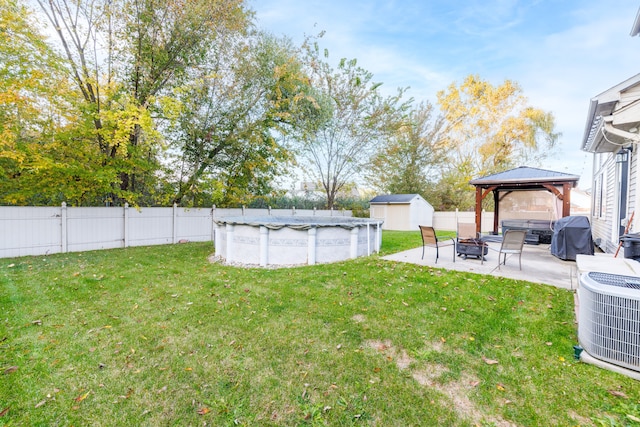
{"type": "Point", "coordinates": [496, 211]}
{"type": "Point", "coordinates": [478, 210]}
{"type": "Point", "coordinates": [566, 199]}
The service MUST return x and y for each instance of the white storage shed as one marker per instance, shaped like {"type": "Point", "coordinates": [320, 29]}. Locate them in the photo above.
{"type": "Point", "coordinates": [402, 212]}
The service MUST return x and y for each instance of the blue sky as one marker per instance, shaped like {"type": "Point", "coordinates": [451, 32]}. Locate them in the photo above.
{"type": "Point", "coordinates": [562, 53]}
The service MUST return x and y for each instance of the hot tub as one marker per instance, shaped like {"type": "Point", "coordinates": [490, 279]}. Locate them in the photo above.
{"type": "Point", "coordinates": [295, 240]}
{"type": "Point", "coordinates": [538, 230]}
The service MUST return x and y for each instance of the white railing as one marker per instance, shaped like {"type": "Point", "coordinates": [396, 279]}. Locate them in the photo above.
{"type": "Point", "coordinates": [33, 230]}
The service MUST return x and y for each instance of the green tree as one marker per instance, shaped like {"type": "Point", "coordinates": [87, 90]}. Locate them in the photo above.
{"type": "Point", "coordinates": [409, 162]}
{"type": "Point", "coordinates": [41, 157]}
{"type": "Point", "coordinates": [247, 92]}
{"type": "Point", "coordinates": [338, 143]}
{"type": "Point", "coordinates": [124, 57]}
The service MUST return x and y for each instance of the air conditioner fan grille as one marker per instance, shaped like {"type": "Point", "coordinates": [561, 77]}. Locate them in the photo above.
{"type": "Point", "coordinates": [615, 280]}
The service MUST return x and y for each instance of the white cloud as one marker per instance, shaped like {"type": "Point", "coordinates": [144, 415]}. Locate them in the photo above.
{"type": "Point", "coordinates": [562, 53]}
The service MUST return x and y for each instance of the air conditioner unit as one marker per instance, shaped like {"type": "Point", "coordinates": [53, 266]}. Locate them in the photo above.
{"type": "Point", "coordinates": [609, 318]}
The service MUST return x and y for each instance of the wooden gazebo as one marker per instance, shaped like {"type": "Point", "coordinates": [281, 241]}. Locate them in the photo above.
{"type": "Point", "coordinates": [522, 179]}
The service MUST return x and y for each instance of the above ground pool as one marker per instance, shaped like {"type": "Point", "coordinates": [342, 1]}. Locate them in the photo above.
{"type": "Point", "coordinates": [294, 240]}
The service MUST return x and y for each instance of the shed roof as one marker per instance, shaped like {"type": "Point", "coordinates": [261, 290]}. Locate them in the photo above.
{"type": "Point", "coordinates": [524, 175]}
{"type": "Point", "coordinates": [394, 198]}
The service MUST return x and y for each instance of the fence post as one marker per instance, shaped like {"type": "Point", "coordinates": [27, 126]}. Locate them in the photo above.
{"type": "Point", "coordinates": [126, 225]}
{"type": "Point", "coordinates": [63, 228]}
{"type": "Point", "coordinates": [175, 225]}
{"type": "Point", "coordinates": [293, 211]}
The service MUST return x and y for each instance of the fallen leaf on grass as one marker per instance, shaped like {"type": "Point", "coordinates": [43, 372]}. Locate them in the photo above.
{"type": "Point", "coordinates": [41, 403]}
{"type": "Point", "coordinates": [10, 370]}
{"type": "Point", "coordinates": [162, 389]}
{"type": "Point", "coordinates": [128, 395]}
{"type": "Point", "coordinates": [4, 412]}
{"type": "Point", "coordinates": [203, 411]}
{"type": "Point", "coordinates": [82, 397]}
{"type": "Point", "coordinates": [489, 361]}
{"type": "Point", "coordinates": [500, 387]}
{"type": "Point", "coordinates": [618, 394]}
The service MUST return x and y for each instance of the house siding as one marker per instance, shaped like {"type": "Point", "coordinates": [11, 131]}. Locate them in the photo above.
{"type": "Point", "coordinates": [612, 198]}
{"type": "Point", "coordinates": [604, 226]}
{"type": "Point", "coordinates": [629, 96]}
{"type": "Point", "coordinates": [604, 199]}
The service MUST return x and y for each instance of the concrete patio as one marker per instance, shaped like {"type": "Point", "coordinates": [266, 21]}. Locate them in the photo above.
{"type": "Point", "coordinates": [538, 265]}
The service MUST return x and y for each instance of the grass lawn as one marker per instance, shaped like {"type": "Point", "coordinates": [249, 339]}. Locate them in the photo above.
{"type": "Point", "coordinates": [160, 336]}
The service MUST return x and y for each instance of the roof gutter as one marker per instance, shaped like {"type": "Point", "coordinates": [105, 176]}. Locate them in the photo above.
{"type": "Point", "coordinates": [588, 128]}
{"type": "Point", "coordinates": [608, 127]}
{"type": "Point", "coordinates": [635, 30]}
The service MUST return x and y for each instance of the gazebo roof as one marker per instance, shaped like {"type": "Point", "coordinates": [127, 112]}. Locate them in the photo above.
{"type": "Point", "coordinates": [524, 178]}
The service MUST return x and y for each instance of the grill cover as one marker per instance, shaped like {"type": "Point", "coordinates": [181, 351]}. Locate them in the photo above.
{"type": "Point", "coordinates": [571, 236]}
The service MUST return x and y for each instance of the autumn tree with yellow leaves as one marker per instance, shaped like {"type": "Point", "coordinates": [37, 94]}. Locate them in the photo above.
{"type": "Point", "coordinates": [142, 102]}
{"type": "Point", "coordinates": [489, 129]}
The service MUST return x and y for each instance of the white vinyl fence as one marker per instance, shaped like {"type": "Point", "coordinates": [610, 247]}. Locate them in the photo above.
{"type": "Point", "coordinates": [448, 221]}
{"type": "Point", "coordinates": [46, 230]}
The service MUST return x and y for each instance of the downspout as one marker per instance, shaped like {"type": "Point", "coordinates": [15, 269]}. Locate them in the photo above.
{"type": "Point", "coordinates": [608, 127]}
